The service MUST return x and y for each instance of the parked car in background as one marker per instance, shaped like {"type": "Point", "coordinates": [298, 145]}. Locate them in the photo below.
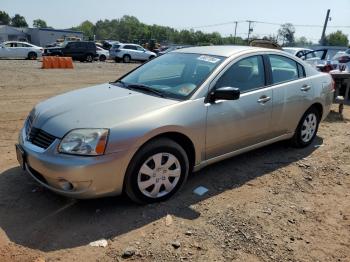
{"type": "Point", "coordinates": [78, 50]}
{"type": "Point", "coordinates": [107, 44]}
{"type": "Point", "coordinates": [14, 49]}
{"type": "Point", "coordinates": [171, 48]}
{"type": "Point", "coordinates": [296, 51]}
{"type": "Point", "coordinates": [130, 52]}
{"type": "Point", "coordinates": [103, 54]}
{"type": "Point", "coordinates": [177, 113]}
{"type": "Point", "coordinates": [342, 56]}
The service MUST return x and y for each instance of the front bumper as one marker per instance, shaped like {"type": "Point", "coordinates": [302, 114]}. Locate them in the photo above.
{"type": "Point", "coordinates": [87, 176]}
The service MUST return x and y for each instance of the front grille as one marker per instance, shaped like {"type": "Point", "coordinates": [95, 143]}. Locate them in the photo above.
{"type": "Point", "coordinates": [40, 138]}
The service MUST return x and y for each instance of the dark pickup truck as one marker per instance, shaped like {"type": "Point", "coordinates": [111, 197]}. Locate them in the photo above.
{"type": "Point", "coordinates": [82, 51]}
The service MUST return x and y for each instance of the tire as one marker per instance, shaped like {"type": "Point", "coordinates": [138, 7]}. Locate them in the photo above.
{"type": "Point", "coordinates": [126, 59]}
{"type": "Point", "coordinates": [102, 58]}
{"type": "Point", "coordinates": [153, 159]}
{"type": "Point", "coordinates": [32, 56]}
{"type": "Point", "coordinates": [151, 57]}
{"type": "Point", "coordinates": [89, 58]}
{"type": "Point", "coordinates": [307, 128]}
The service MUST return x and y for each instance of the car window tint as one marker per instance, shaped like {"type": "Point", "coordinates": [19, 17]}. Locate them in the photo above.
{"type": "Point", "coordinates": [116, 46]}
{"type": "Point", "coordinates": [139, 48]}
{"type": "Point", "coordinates": [8, 45]}
{"type": "Point", "coordinates": [131, 47]}
{"type": "Point", "coordinates": [283, 69]}
{"type": "Point", "coordinates": [247, 74]}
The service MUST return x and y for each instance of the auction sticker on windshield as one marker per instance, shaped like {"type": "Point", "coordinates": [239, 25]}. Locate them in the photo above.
{"type": "Point", "coordinates": [209, 59]}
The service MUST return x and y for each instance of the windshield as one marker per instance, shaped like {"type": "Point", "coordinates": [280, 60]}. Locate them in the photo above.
{"type": "Point", "coordinates": [175, 75]}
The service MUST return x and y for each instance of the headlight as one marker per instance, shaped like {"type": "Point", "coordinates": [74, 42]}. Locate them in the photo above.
{"type": "Point", "coordinates": [84, 142]}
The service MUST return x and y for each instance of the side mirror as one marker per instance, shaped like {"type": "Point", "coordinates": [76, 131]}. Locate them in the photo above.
{"type": "Point", "coordinates": [224, 93]}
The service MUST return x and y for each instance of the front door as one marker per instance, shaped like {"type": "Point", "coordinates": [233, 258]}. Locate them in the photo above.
{"type": "Point", "coordinates": [233, 125]}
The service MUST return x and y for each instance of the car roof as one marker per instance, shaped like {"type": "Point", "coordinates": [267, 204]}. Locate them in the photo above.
{"type": "Point", "coordinates": [21, 42]}
{"type": "Point", "coordinates": [223, 50]}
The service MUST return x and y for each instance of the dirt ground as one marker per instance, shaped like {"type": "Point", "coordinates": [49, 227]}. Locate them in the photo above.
{"type": "Point", "coordinates": [276, 203]}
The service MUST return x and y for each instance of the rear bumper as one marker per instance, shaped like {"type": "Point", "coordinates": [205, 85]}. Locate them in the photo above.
{"type": "Point", "coordinates": [87, 177]}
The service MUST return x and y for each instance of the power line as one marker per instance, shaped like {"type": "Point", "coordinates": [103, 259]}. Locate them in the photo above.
{"type": "Point", "coordinates": [270, 23]}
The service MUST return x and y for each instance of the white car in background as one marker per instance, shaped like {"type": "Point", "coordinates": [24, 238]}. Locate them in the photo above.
{"type": "Point", "coordinates": [14, 49]}
{"type": "Point", "coordinates": [129, 52]}
{"type": "Point", "coordinates": [103, 54]}
{"type": "Point", "coordinates": [297, 51]}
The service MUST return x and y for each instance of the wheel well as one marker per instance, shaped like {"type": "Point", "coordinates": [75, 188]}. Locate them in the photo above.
{"type": "Point", "coordinates": [319, 109]}
{"type": "Point", "coordinates": [183, 141]}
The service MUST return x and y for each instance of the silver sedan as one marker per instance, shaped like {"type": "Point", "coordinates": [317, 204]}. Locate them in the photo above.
{"type": "Point", "coordinates": [145, 132]}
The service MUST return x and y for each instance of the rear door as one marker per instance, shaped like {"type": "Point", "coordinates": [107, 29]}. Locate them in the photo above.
{"type": "Point", "coordinates": [233, 125]}
{"type": "Point", "coordinates": [292, 93]}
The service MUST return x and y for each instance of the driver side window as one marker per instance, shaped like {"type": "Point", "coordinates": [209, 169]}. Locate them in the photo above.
{"type": "Point", "coordinates": [247, 74]}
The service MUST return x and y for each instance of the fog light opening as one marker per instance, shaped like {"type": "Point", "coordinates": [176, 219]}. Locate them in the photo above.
{"type": "Point", "coordinates": [65, 185]}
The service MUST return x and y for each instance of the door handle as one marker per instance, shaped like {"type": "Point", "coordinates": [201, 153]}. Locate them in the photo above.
{"type": "Point", "coordinates": [305, 88]}
{"type": "Point", "coordinates": [264, 99]}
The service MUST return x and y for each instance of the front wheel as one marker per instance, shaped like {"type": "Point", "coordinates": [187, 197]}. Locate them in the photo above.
{"type": "Point", "coordinates": [307, 128]}
{"type": "Point", "coordinates": [156, 172]}
{"type": "Point", "coordinates": [102, 58]}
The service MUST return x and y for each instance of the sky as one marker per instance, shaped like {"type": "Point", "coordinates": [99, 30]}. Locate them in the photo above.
{"type": "Point", "coordinates": [187, 14]}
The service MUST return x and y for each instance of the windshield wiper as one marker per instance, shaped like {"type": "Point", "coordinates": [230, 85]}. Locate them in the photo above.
{"type": "Point", "coordinates": [145, 88]}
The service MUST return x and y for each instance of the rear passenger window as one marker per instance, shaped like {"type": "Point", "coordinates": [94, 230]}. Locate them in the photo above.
{"type": "Point", "coordinates": [130, 47]}
{"type": "Point", "coordinates": [247, 74]}
{"type": "Point", "coordinates": [283, 69]}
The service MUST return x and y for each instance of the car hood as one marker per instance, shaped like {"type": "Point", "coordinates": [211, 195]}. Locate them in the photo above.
{"type": "Point", "coordinates": [102, 106]}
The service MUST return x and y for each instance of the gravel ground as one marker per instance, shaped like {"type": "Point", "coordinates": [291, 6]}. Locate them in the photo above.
{"type": "Point", "coordinates": [276, 203]}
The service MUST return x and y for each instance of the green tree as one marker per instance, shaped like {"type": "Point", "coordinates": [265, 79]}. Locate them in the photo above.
{"type": "Point", "coordinates": [39, 23]}
{"type": "Point", "coordinates": [18, 21]}
{"type": "Point", "coordinates": [302, 41]}
{"type": "Point", "coordinates": [337, 39]}
{"type": "Point", "coordinates": [88, 28]}
{"type": "Point", "coordinates": [5, 19]}
{"type": "Point", "coordinates": [286, 34]}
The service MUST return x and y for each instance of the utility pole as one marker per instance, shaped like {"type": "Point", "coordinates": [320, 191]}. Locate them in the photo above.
{"type": "Point", "coordinates": [234, 39]}
{"type": "Point", "coordinates": [250, 29]}
{"type": "Point", "coordinates": [323, 37]}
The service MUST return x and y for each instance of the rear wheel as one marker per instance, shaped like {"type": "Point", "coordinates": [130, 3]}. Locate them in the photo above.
{"type": "Point", "coordinates": [307, 128]}
{"type": "Point", "coordinates": [126, 59]}
{"type": "Point", "coordinates": [156, 172]}
{"type": "Point", "coordinates": [32, 56]}
{"type": "Point", "coordinates": [89, 58]}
